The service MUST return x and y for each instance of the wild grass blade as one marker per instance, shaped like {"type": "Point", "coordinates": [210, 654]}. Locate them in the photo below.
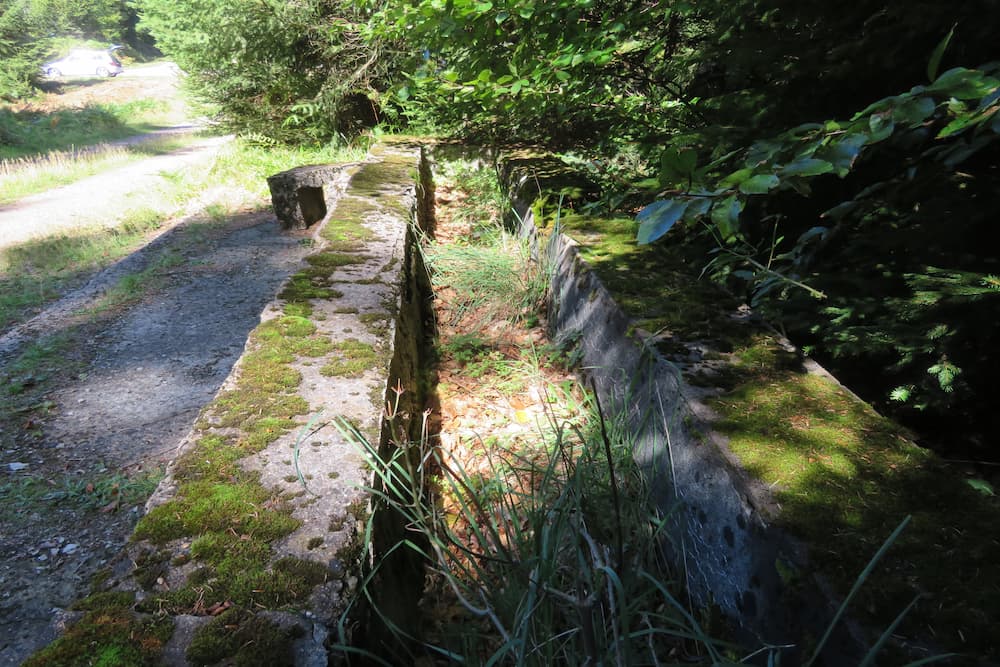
{"type": "Point", "coordinates": [884, 637]}
{"type": "Point", "coordinates": [855, 588]}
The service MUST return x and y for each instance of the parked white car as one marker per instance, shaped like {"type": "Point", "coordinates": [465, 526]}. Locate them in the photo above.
{"type": "Point", "coordinates": [82, 62]}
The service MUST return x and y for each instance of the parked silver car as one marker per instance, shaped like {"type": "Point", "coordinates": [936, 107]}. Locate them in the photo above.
{"type": "Point", "coordinates": [83, 62]}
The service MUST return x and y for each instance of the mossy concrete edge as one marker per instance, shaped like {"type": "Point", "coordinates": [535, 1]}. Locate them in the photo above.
{"type": "Point", "coordinates": [306, 469]}
{"type": "Point", "coordinates": [722, 536]}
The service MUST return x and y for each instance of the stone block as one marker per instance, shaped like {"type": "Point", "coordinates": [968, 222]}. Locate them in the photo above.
{"type": "Point", "coordinates": [300, 195]}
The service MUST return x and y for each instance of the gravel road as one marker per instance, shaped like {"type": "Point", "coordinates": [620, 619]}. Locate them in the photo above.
{"type": "Point", "coordinates": [98, 200]}
{"type": "Point", "coordinates": [128, 388]}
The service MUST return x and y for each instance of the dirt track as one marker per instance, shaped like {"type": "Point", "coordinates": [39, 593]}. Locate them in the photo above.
{"type": "Point", "coordinates": [121, 394]}
{"type": "Point", "coordinates": [136, 384]}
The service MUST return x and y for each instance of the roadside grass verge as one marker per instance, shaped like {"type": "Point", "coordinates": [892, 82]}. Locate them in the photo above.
{"type": "Point", "coordinates": [34, 133]}
{"type": "Point", "coordinates": [21, 177]}
{"type": "Point", "coordinates": [41, 270]}
{"type": "Point", "coordinates": [98, 489]}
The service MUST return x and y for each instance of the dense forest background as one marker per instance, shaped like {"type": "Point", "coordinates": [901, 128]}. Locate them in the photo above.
{"type": "Point", "coordinates": [838, 161]}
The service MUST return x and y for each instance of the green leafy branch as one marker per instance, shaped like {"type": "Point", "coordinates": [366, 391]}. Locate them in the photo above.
{"type": "Point", "coordinates": [958, 112]}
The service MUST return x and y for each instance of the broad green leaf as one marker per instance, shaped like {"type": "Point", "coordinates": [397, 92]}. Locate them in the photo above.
{"type": "Point", "coordinates": [657, 219]}
{"type": "Point", "coordinates": [726, 216]}
{"type": "Point", "coordinates": [937, 54]}
{"type": "Point", "coordinates": [957, 125]}
{"type": "Point", "coordinates": [964, 84]}
{"type": "Point", "coordinates": [843, 151]}
{"type": "Point", "coordinates": [990, 99]}
{"type": "Point", "coordinates": [759, 184]}
{"type": "Point", "coordinates": [982, 486]}
{"type": "Point", "coordinates": [697, 207]}
{"type": "Point", "coordinates": [676, 165]}
{"type": "Point", "coordinates": [881, 126]}
{"type": "Point", "coordinates": [913, 110]}
{"type": "Point", "coordinates": [737, 177]}
{"type": "Point", "coordinates": [763, 151]}
{"type": "Point", "coordinates": [807, 167]}
{"type": "Point", "coordinates": [876, 107]}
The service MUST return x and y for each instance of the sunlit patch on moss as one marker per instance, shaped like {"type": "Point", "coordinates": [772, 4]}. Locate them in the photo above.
{"type": "Point", "coordinates": [304, 286]}
{"type": "Point", "coordinates": [657, 284]}
{"type": "Point", "coordinates": [845, 477]}
{"type": "Point", "coordinates": [344, 231]}
{"type": "Point", "coordinates": [206, 506]}
{"type": "Point", "coordinates": [351, 358]}
{"type": "Point", "coordinates": [330, 261]}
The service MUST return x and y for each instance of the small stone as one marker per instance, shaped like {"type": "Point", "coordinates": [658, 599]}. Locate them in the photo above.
{"type": "Point", "coordinates": [16, 466]}
{"type": "Point", "coordinates": [70, 548]}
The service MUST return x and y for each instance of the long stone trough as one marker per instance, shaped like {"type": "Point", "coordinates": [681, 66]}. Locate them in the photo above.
{"type": "Point", "coordinates": [252, 546]}
{"type": "Point", "coordinates": [270, 486]}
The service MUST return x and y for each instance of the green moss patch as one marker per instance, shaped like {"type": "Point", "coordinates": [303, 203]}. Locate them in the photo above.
{"type": "Point", "coordinates": [208, 506]}
{"type": "Point", "coordinates": [352, 358]}
{"type": "Point", "coordinates": [105, 601]}
{"type": "Point", "coordinates": [240, 637]}
{"type": "Point", "coordinates": [845, 478]}
{"type": "Point", "coordinates": [301, 287]}
{"type": "Point", "coordinates": [330, 261]}
{"type": "Point", "coordinates": [657, 284]}
{"type": "Point", "coordinates": [110, 638]}
{"type": "Point", "coordinates": [373, 178]}
{"type": "Point", "coordinates": [344, 231]}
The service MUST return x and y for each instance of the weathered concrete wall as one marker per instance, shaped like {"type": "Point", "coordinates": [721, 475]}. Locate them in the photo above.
{"type": "Point", "coordinates": [300, 196]}
{"type": "Point", "coordinates": [722, 537]}
{"type": "Point", "coordinates": [361, 290]}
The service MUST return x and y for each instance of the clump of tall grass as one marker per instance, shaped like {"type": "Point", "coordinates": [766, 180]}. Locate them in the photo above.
{"type": "Point", "coordinates": [555, 557]}
{"type": "Point", "coordinates": [489, 269]}
{"type": "Point", "coordinates": [23, 176]}
{"type": "Point", "coordinates": [491, 282]}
